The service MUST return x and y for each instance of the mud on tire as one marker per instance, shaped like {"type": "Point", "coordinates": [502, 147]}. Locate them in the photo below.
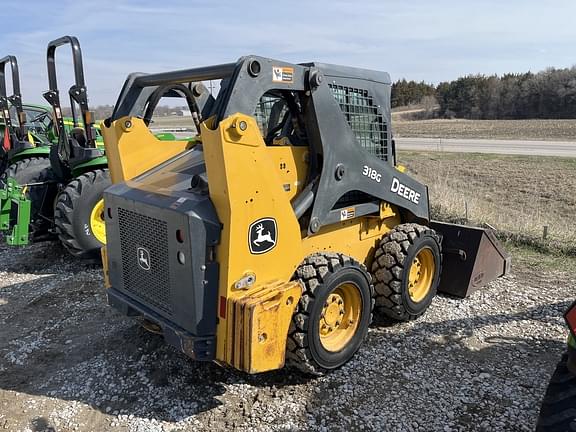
{"type": "Point", "coordinates": [391, 267]}
{"type": "Point", "coordinates": [73, 211]}
{"type": "Point", "coordinates": [321, 274]}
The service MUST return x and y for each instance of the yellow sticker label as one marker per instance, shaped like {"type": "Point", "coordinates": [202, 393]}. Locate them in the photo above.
{"type": "Point", "coordinates": [348, 213]}
{"type": "Point", "coordinates": [282, 74]}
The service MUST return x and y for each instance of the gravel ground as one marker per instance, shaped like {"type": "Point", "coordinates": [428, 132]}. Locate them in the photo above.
{"type": "Point", "coordinates": [68, 362]}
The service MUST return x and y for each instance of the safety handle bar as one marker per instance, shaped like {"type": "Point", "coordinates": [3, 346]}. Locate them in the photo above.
{"type": "Point", "coordinates": [76, 60]}
{"type": "Point", "coordinates": [16, 98]}
{"type": "Point", "coordinates": [77, 92]}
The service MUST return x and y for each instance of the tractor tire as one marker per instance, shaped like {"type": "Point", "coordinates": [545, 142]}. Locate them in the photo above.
{"type": "Point", "coordinates": [333, 315]}
{"type": "Point", "coordinates": [406, 268]}
{"type": "Point", "coordinates": [558, 410]}
{"type": "Point", "coordinates": [35, 170]}
{"type": "Point", "coordinates": [77, 224]}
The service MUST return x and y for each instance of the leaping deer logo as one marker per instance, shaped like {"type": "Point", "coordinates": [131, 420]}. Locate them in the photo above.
{"type": "Point", "coordinates": [143, 258]}
{"type": "Point", "coordinates": [263, 237]}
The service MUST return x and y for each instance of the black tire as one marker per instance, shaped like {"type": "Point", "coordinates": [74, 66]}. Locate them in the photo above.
{"type": "Point", "coordinates": [73, 210]}
{"type": "Point", "coordinates": [391, 266]}
{"type": "Point", "coordinates": [558, 410]}
{"type": "Point", "coordinates": [321, 274]}
{"type": "Point", "coordinates": [35, 170]}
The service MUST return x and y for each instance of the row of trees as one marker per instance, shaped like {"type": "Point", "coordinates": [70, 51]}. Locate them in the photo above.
{"type": "Point", "coordinates": [406, 93]}
{"type": "Point", "coordinates": [547, 94]}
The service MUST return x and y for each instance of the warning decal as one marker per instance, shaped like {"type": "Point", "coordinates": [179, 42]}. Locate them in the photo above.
{"type": "Point", "coordinates": [348, 213]}
{"type": "Point", "coordinates": [282, 74]}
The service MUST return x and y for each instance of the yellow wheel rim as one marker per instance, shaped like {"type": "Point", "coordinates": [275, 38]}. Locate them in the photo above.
{"type": "Point", "coordinates": [97, 225]}
{"type": "Point", "coordinates": [340, 317]}
{"type": "Point", "coordinates": [421, 277]}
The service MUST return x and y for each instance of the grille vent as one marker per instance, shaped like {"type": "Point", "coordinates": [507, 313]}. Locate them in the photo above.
{"type": "Point", "coordinates": [143, 232]}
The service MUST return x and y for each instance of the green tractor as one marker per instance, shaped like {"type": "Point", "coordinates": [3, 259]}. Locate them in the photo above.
{"type": "Point", "coordinates": [65, 197]}
{"type": "Point", "coordinates": [62, 195]}
{"type": "Point", "coordinates": [558, 410]}
{"type": "Point", "coordinates": [24, 150]}
{"type": "Point", "coordinates": [25, 130]}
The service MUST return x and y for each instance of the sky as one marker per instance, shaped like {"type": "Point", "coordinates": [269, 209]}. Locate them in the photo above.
{"type": "Point", "coordinates": [425, 40]}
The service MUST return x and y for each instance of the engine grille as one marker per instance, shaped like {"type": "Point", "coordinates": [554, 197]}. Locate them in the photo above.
{"type": "Point", "coordinates": [139, 232]}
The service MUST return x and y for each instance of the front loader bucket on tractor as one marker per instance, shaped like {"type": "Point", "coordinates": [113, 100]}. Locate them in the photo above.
{"type": "Point", "coordinates": [472, 256]}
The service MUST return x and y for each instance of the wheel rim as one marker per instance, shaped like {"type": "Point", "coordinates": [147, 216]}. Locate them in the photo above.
{"type": "Point", "coordinates": [97, 225]}
{"type": "Point", "coordinates": [340, 317]}
{"type": "Point", "coordinates": [422, 271]}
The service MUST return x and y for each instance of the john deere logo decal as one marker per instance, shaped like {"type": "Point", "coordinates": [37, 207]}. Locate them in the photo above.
{"type": "Point", "coordinates": [263, 235]}
{"type": "Point", "coordinates": [143, 258]}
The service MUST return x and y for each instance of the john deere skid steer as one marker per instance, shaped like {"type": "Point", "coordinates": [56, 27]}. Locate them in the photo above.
{"type": "Point", "coordinates": [273, 238]}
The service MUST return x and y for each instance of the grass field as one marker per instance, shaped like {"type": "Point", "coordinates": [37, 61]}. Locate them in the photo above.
{"type": "Point", "coordinates": [558, 130]}
{"type": "Point", "coordinates": [518, 195]}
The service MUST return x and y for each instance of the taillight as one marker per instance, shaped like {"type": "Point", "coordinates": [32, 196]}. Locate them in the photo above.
{"type": "Point", "coordinates": [570, 317]}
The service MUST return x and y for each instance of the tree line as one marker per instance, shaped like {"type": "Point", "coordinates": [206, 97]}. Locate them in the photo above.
{"type": "Point", "coordinates": [548, 94]}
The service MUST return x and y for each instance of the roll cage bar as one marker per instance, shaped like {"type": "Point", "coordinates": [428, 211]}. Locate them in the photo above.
{"type": "Point", "coordinates": [14, 100]}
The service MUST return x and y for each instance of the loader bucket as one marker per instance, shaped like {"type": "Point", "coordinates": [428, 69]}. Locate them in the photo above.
{"type": "Point", "coordinates": [472, 257]}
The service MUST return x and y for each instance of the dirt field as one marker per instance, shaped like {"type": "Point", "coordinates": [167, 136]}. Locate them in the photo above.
{"type": "Point", "coordinates": [518, 194]}
{"type": "Point", "coordinates": [562, 130]}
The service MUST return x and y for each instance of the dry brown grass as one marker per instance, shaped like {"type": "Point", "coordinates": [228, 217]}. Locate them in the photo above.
{"type": "Point", "coordinates": [517, 195]}
{"type": "Point", "coordinates": [559, 130]}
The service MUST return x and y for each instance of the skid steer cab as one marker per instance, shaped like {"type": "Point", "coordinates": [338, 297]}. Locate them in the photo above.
{"type": "Point", "coordinates": [272, 241]}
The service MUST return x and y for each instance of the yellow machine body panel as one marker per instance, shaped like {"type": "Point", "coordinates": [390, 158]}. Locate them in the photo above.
{"type": "Point", "coordinates": [260, 324]}
{"type": "Point", "coordinates": [105, 270]}
{"type": "Point", "coordinates": [356, 238]}
{"type": "Point", "coordinates": [250, 181]}
{"type": "Point", "coordinates": [132, 149]}
{"type": "Point", "coordinates": [291, 166]}
{"type": "Point", "coordinates": [245, 186]}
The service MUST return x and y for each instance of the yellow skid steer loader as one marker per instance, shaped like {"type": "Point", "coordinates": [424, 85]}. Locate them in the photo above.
{"type": "Point", "coordinates": [273, 238]}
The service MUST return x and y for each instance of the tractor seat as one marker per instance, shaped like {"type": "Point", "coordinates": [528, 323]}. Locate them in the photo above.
{"type": "Point", "coordinates": [79, 135]}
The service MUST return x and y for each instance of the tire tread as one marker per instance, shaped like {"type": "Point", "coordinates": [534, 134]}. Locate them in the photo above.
{"type": "Point", "coordinates": [312, 273]}
{"type": "Point", "coordinates": [389, 264]}
{"type": "Point", "coordinates": [66, 206]}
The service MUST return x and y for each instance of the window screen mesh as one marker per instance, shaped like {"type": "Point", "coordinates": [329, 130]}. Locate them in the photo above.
{"type": "Point", "coordinates": [364, 118]}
